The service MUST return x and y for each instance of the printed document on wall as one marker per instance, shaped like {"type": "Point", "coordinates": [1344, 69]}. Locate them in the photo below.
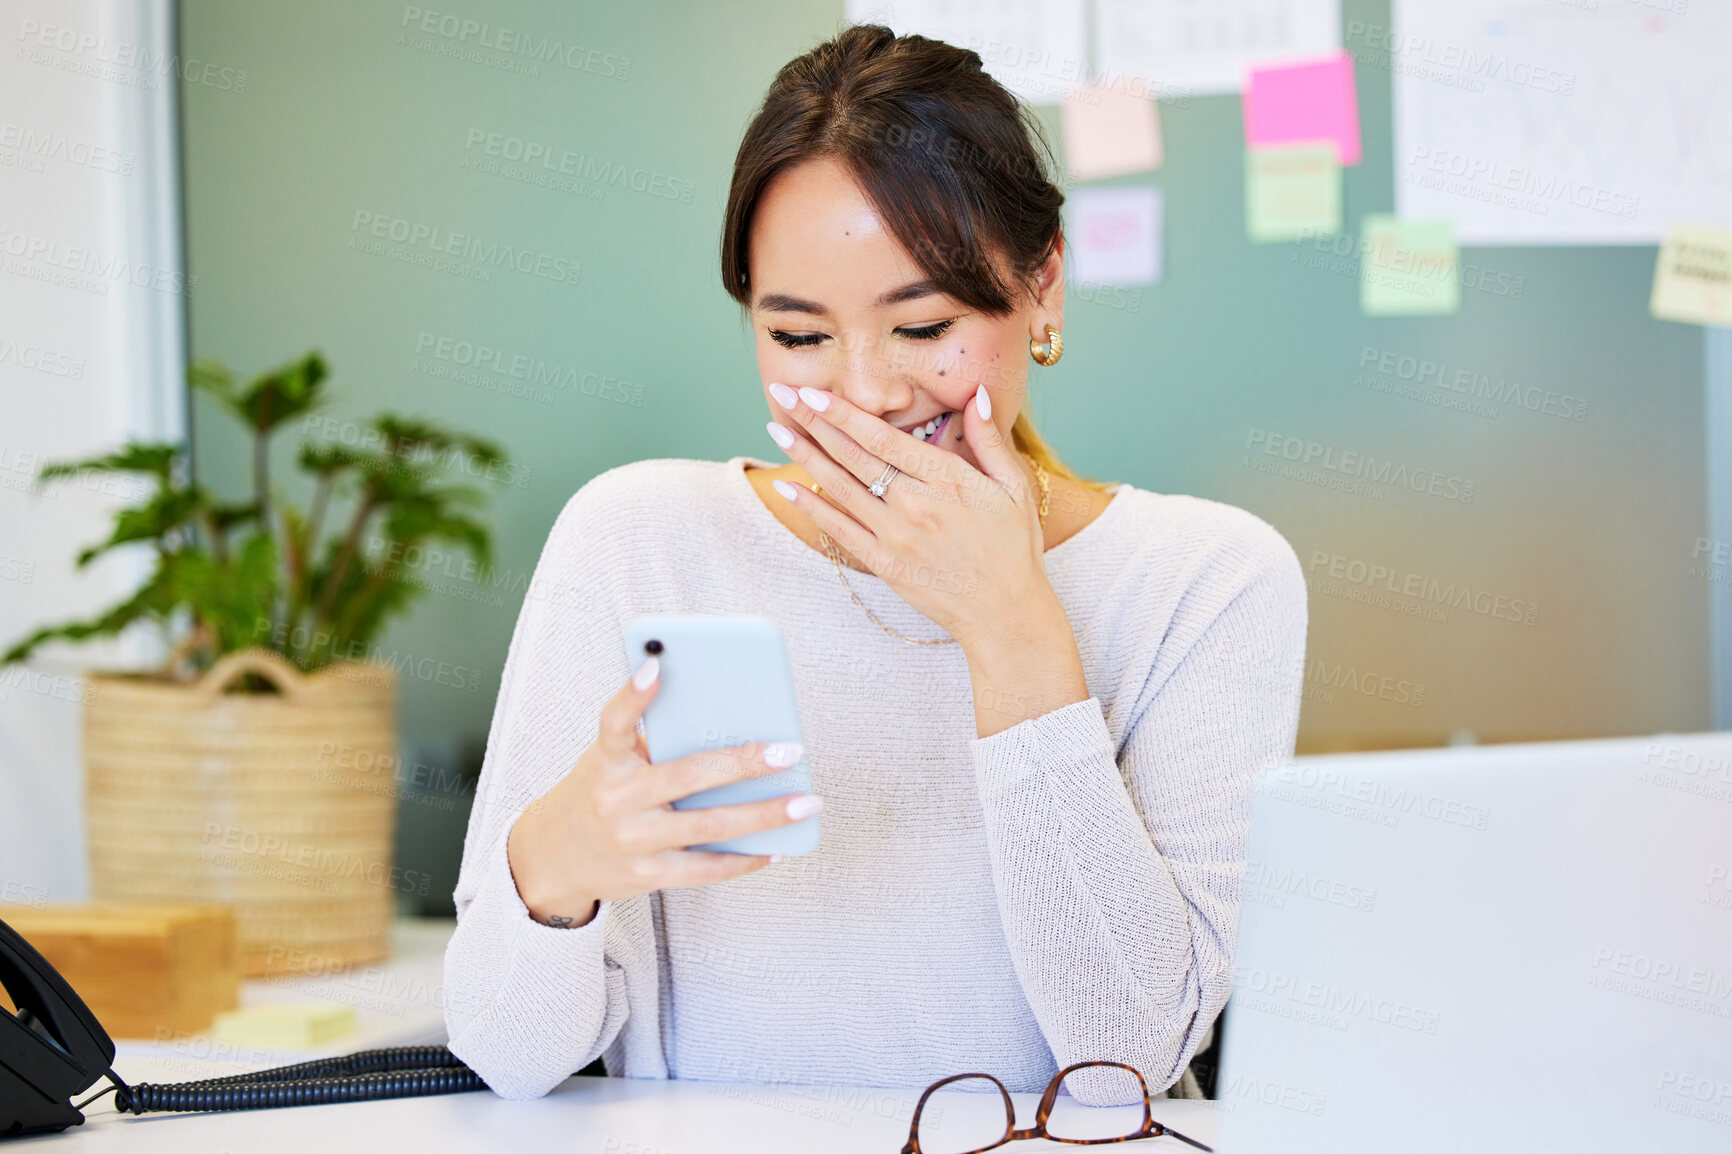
{"type": "Point", "coordinates": [1555, 123]}
{"type": "Point", "coordinates": [1035, 48]}
{"type": "Point", "coordinates": [1207, 45]}
{"type": "Point", "coordinates": [1114, 235]}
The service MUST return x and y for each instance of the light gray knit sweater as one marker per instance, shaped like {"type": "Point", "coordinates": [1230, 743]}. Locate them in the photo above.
{"type": "Point", "coordinates": [1065, 889]}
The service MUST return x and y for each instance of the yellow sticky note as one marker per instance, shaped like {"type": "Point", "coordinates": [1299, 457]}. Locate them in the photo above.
{"type": "Point", "coordinates": [1693, 276]}
{"type": "Point", "coordinates": [1292, 191]}
{"type": "Point", "coordinates": [1109, 132]}
{"type": "Point", "coordinates": [1408, 268]}
{"type": "Point", "coordinates": [285, 1025]}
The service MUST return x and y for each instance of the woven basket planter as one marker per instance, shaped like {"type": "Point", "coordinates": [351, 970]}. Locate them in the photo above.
{"type": "Point", "coordinates": [281, 804]}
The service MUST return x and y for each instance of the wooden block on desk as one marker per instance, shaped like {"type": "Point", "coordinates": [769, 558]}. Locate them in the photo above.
{"type": "Point", "coordinates": [145, 971]}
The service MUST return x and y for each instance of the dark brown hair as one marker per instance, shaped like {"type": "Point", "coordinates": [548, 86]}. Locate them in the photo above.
{"type": "Point", "coordinates": [954, 165]}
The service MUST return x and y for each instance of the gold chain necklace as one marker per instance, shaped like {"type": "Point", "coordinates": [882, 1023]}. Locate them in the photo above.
{"type": "Point", "coordinates": [836, 559]}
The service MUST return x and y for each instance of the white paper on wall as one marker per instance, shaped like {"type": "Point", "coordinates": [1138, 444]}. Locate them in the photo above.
{"type": "Point", "coordinates": [1207, 45]}
{"type": "Point", "coordinates": [1552, 123]}
{"type": "Point", "coordinates": [1114, 235]}
{"type": "Point", "coordinates": [1035, 48]}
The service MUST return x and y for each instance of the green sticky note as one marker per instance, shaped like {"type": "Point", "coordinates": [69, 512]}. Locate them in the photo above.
{"type": "Point", "coordinates": [1693, 275]}
{"type": "Point", "coordinates": [1292, 191]}
{"type": "Point", "coordinates": [1408, 268]}
{"type": "Point", "coordinates": [285, 1025]}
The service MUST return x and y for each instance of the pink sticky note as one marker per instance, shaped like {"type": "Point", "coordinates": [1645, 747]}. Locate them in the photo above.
{"type": "Point", "coordinates": [1312, 100]}
{"type": "Point", "coordinates": [1109, 132]}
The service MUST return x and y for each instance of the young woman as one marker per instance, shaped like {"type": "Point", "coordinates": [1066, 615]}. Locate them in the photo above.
{"type": "Point", "coordinates": [1033, 705]}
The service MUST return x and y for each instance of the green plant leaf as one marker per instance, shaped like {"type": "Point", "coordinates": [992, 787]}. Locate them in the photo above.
{"type": "Point", "coordinates": [156, 460]}
{"type": "Point", "coordinates": [412, 437]}
{"type": "Point", "coordinates": [236, 599]}
{"type": "Point", "coordinates": [167, 510]}
{"type": "Point", "coordinates": [269, 399]}
{"type": "Point", "coordinates": [367, 594]}
{"type": "Point", "coordinates": [326, 460]}
{"type": "Point", "coordinates": [227, 517]}
{"type": "Point", "coordinates": [369, 615]}
{"type": "Point", "coordinates": [156, 598]}
{"type": "Point", "coordinates": [431, 517]}
{"type": "Point", "coordinates": [214, 378]}
{"type": "Point", "coordinates": [284, 393]}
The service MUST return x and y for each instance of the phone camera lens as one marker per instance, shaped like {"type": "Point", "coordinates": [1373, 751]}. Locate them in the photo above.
{"type": "Point", "coordinates": [652, 646]}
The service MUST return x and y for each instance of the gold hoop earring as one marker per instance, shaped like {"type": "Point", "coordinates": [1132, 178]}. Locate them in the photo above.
{"type": "Point", "coordinates": [1047, 354]}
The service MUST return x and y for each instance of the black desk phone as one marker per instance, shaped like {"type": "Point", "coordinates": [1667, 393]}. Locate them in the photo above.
{"type": "Point", "coordinates": [54, 1047]}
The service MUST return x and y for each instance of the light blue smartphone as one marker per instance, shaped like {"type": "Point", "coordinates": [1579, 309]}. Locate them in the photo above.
{"type": "Point", "coordinates": [724, 681]}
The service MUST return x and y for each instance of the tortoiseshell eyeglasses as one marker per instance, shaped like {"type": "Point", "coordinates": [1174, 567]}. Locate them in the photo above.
{"type": "Point", "coordinates": [952, 1125]}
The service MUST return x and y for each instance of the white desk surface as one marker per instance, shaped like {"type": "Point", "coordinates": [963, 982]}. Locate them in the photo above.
{"type": "Point", "coordinates": [398, 1003]}
{"type": "Point", "coordinates": [581, 1116]}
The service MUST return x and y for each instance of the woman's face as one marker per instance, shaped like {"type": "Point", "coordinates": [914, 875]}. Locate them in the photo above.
{"type": "Point", "coordinates": [837, 305]}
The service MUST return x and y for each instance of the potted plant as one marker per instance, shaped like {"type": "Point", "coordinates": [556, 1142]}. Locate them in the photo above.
{"type": "Point", "coordinates": [256, 766]}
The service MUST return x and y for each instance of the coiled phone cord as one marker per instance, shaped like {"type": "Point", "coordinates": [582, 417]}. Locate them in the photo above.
{"type": "Point", "coordinates": [399, 1072]}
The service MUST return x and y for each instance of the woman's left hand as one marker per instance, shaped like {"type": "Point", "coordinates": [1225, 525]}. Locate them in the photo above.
{"type": "Point", "coordinates": [963, 547]}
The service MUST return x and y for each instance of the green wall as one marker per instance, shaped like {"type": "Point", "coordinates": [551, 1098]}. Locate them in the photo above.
{"type": "Point", "coordinates": [1592, 521]}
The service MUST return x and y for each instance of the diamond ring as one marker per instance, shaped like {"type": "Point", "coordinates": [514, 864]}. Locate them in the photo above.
{"type": "Point", "coordinates": [883, 482]}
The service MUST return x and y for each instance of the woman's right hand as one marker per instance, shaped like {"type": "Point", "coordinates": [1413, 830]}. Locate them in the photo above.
{"type": "Point", "coordinates": [607, 830]}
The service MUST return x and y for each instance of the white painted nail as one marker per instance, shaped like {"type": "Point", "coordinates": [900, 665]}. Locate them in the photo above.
{"type": "Point", "coordinates": [783, 394]}
{"type": "Point", "coordinates": [818, 400]}
{"type": "Point", "coordinates": [781, 435]}
{"type": "Point", "coordinates": [804, 806]}
{"type": "Point", "coordinates": [646, 673]}
{"type": "Point", "coordinates": [782, 754]}
{"type": "Point", "coordinates": [783, 488]}
{"type": "Point", "coordinates": [982, 403]}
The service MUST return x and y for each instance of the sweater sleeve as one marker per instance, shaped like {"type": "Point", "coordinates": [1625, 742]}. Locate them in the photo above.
{"type": "Point", "coordinates": [526, 1005]}
{"type": "Point", "coordinates": [1118, 870]}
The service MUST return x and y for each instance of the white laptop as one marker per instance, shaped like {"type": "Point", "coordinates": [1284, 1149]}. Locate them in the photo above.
{"type": "Point", "coordinates": [1521, 947]}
